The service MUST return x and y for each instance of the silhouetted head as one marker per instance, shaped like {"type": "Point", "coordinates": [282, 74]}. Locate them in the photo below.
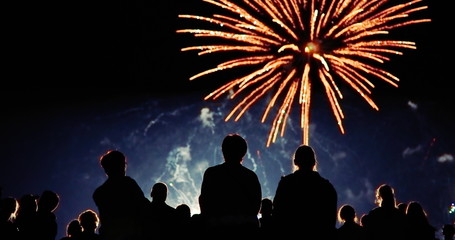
{"type": "Point", "coordinates": [73, 228]}
{"type": "Point", "coordinates": [346, 214]}
{"type": "Point", "coordinates": [266, 206]}
{"type": "Point", "coordinates": [183, 211]}
{"type": "Point", "coordinates": [114, 163]}
{"type": "Point", "coordinates": [159, 192]}
{"type": "Point", "coordinates": [28, 203]}
{"type": "Point", "coordinates": [8, 208]}
{"type": "Point", "coordinates": [415, 210]}
{"type": "Point", "coordinates": [364, 219]}
{"type": "Point", "coordinates": [402, 207]}
{"type": "Point", "coordinates": [305, 158]}
{"type": "Point", "coordinates": [385, 196]}
{"type": "Point", "coordinates": [48, 201]}
{"type": "Point", "coordinates": [234, 148]}
{"type": "Point", "coordinates": [89, 220]}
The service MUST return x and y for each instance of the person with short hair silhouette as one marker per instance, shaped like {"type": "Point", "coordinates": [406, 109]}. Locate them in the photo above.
{"type": "Point", "coordinates": [231, 194]}
{"type": "Point", "coordinates": [120, 201]}
{"type": "Point", "coordinates": [46, 225]}
{"type": "Point", "coordinates": [183, 212]}
{"type": "Point", "coordinates": [161, 215]}
{"type": "Point", "coordinates": [305, 203]}
{"type": "Point", "coordinates": [385, 221]}
{"type": "Point", "coordinates": [89, 222]}
{"type": "Point", "coordinates": [350, 228]}
{"type": "Point", "coordinates": [73, 230]}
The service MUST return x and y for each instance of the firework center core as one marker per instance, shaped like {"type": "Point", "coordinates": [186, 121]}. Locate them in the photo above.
{"type": "Point", "coordinates": [311, 48]}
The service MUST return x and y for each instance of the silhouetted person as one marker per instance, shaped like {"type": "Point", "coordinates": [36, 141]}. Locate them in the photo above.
{"type": "Point", "coordinates": [418, 225]}
{"type": "Point", "coordinates": [120, 201]}
{"type": "Point", "coordinates": [183, 212]}
{"type": "Point", "coordinates": [161, 215]}
{"type": "Point", "coordinates": [385, 221]}
{"type": "Point", "coordinates": [266, 219]}
{"type": "Point", "coordinates": [26, 216]}
{"type": "Point", "coordinates": [305, 203]}
{"type": "Point", "coordinates": [197, 224]}
{"type": "Point", "coordinates": [350, 228]}
{"type": "Point", "coordinates": [183, 225]}
{"type": "Point", "coordinates": [8, 210]}
{"type": "Point", "coordinates": [448, 231]}
{"type": "Point", "coordinates": [402, 207]}
{"type": "Point", "coordinates": [89, 222]}
{"type": "Point", "coordinates": [231, 194]}
{"type": "Point", "coordinates": [46, 221]}
{"type": "Point", "coordinates": [73, 230]}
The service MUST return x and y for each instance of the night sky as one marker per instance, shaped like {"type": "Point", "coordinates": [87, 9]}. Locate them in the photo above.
{"type": "Point", "coordinates": [73, 67]}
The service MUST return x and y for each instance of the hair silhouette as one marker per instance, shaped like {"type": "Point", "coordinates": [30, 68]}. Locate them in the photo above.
{"type": "Point", "coordinates": [73, 230]}
{"type": "Point", "coordinates": [89, 222]}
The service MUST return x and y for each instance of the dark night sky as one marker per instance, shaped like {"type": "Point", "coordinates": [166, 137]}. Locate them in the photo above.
{"type": "Point", "coordinates": [62, 57]}
{"type": "Point", "coordinates": [113, 48]}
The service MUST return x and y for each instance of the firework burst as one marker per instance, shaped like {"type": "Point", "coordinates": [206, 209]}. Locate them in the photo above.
{"type": "Point", "coordinates": [289, 44]}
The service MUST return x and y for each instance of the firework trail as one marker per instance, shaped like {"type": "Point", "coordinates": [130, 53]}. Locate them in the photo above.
{"type": "Point", "coordinates": [289, 44]}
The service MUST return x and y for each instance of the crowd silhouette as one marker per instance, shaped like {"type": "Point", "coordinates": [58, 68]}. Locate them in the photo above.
{"type": "Point", "coordinates": [305, 206]}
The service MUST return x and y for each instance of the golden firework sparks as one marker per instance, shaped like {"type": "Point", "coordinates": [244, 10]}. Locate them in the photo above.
{"type": "Point", "coordinates": [291, 43]}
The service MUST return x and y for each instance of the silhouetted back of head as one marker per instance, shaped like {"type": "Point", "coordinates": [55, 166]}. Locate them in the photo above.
{"type": "Point", "coordinates": [402, 207]}
{"type": "Point", "coordinates": [8, 208]}
{"type": "Point", "coordinates": [266, 206]}
{"type": "Point", "coordinates": [385, 195]}
{"type": "Point", "coordinates": [183, 210]}
{"type": "Point", "coordinates": [113, 163]}
{"type": "Point", "coordinates": [416, 213]}
{"type": "Point", "coordinates": [346, 213]}
{"type": "Point", "coordinates": [48, 201]}
{"type": "Point", "coordinates": [159, 192]}
{"type": "Point", "coordinates": [89, 220]}
{"type": "Point", "coordinates": [73, 228]}
{"type": "Point", "coordinates": [28, 203]}
{"type": "Point", "coordinates": [305, 158]}
{"type": "Point", "coordinates": [234, 148]}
